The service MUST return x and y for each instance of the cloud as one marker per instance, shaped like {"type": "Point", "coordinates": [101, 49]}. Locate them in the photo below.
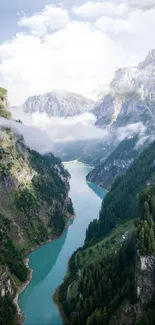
{"type": "Point", "coordinates": [49, 19]}
{"type": "Point", "coordinates": [130, 130]}
{"type": "Point", "coordinates": [63, 129]}
{"type": "Point", "coordinates": [76, 50]}
{"type": "Point", "coordinates": [45, 132]}
{"type": "Point", "coordinates": [74, 58]}
{"type": "Point", "coordinates": [109, 24]}
{"type": "Point", "coordinates": [92, 10]}
{"type": "Point", "coordinates": [34, 137]}
{"type": "Point", "coordinates": [142, 4]}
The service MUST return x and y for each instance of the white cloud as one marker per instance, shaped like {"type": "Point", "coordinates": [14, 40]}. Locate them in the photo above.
{"type": "Point", "coordinates": [62, 129]}
{"type": "Point", "coordinates": [92, 10]}
{"type": "Point", "coordinates": [142, 4]}
{"type": "Point", "coordinates": [43, 133]}
{"type": "Point", "coordinates": [34, 137]}
{"type": "Point", "coordinates": [75, 58]}
{"type": "Point", "coordinates": [108, 24]}
{"type": "Point", "coordinates": [61, 51]}
{"type": "Point", "coordinates": [49, 19]}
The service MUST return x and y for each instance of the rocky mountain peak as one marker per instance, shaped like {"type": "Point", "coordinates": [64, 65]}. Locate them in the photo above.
{"type": "Point", "coordinates": [58, 103]}
{"type": "Point", "coordinates": [149, 60]}
{"type": "Point", "coordinates": [124, 80]}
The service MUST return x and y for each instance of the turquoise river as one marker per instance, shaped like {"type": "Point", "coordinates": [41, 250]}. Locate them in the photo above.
{"type": "Point", "coordinates": [49, 262]}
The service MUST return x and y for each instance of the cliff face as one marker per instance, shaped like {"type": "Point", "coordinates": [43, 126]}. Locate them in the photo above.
{"type": "Point", "coordinates": [116, 163]}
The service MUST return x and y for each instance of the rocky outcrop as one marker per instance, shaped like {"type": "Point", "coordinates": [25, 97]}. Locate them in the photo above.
{"type": "Point", "coordinates": [7, 286]}
{"type": "Point", "coordinates": [145, 282]}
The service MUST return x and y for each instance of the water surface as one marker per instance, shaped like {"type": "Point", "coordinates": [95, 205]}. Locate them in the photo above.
{"type": "Point", "coordinates": [49, 262]}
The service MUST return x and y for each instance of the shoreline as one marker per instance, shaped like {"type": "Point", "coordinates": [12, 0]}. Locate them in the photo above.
{"type": "Point", "coordinates": [56, 300]}
{"type": "Point", "coordinates": [56, 296]}
{"type": "Point", "coordinates": [23, 286]}
{"type": "Point", "coordinates": [21, 289]}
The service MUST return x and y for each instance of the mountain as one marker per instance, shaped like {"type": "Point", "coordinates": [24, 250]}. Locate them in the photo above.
{"type": "Point", "coordinates": [58, 103]}
{"type": "Point", "coordinates": [131, 101]}
{"type": "Point", "coordinates": [116, 164]}
{"type": "Point", "coordinates": [131, 98]}
{"type": "Point", "coordinates": [110, 280]}
{"type": "Point", "coordinates": [34, 208]}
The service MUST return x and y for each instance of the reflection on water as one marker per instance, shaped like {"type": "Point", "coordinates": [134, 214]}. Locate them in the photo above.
{"type": "Point", "coordinates": [49, 262]}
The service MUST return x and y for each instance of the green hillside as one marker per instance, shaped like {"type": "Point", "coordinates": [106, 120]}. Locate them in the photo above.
{"type": "Point", "coordinates": [34, 208]}
{"type": "Point", "coordinates": [110, 281]}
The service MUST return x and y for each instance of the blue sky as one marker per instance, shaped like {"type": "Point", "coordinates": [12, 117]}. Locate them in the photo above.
{"type": "Point", "coordinates": [72, 45]}
{"type": "Point", "coordinates": [9, 10]}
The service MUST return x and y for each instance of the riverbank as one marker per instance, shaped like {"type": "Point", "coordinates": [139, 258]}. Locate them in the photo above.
{"type": "Point", "coordinates": [21, 289]}
{"type": "Point", "coordinates": [59, 305]}
{"type": "Point", "coordinates": [56, 295]}
{"type": "Point", "coordinates": [30, 271]}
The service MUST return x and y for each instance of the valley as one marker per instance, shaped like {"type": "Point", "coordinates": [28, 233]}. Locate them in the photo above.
{"type": "Point", "coordinates": [49, 262]}
{"type": "Point", "coordinates": [97, 268]}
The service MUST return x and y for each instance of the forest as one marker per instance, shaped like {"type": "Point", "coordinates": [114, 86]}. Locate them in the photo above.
{"type": "Point", "coordinates": [12, 259]}
{"type": "Point", "coordinates": [103, 286]}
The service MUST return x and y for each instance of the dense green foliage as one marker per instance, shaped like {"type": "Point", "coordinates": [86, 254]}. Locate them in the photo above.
{"type": "Point", "coordinates": [4, 113]}
{"type": "Point", "coordinates": [35, 205]}
{"type": "Point", "coordinates": [8, 311]}
{"type": "Point", "coordinates": [10, 254]}
{"type": "Point", "coordinates": [100, 293]}
{"type": "Point", "coordinates": [45, 189]}
{"type": "Point", "coordinates": [11, 260]}
{"type": "Point", "coordinates": [145, 222]}
{"type": "Point", "coordinates": [26, 201]}
{"type": "Point", "coordinates": [97, 287]}
{"type": "Point", "coordinates": [121, 202]}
